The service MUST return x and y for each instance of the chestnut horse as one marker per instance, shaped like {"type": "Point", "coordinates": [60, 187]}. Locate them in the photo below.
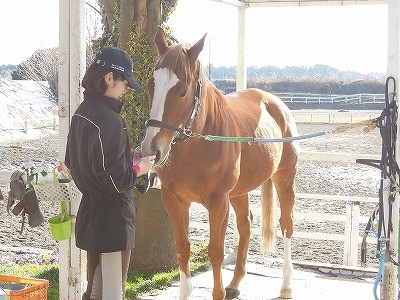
{"type": "Point", "coordinates": [215, 173]}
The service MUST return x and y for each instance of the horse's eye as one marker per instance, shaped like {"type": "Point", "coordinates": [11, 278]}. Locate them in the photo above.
{"type": "Point", "coordinates": [183, 94]}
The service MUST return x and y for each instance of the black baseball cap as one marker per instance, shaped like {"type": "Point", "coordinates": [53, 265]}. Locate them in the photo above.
{"type": "Point", "coordinates": [116, 59]}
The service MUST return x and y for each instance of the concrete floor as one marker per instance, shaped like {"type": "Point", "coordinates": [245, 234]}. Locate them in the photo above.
{"type": "Point", "coordinates": [263, 283]}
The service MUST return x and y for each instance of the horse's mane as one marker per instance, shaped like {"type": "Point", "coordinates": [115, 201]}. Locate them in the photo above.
{"type": "Point", "coordinates": [175, 59]}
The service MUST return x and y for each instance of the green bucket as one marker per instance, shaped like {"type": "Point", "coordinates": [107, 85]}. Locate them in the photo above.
{"type": "Point", "coordinates": [60, 226]}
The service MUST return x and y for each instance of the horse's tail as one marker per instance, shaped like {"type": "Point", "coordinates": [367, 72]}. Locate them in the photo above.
{"type": "Point", "coordinates": [268, 211]}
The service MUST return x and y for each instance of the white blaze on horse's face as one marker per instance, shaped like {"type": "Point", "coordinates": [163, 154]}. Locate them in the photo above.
{"type": "Point", "coordinates": [164, 80]}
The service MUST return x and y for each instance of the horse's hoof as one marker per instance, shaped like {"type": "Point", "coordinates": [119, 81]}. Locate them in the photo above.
{"type": "Point", "coordinates": [231, 293]}
{"type": "Point", "coordinates": [286, 293]}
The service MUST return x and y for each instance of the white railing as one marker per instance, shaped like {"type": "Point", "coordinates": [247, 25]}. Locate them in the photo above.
{"type": "Point", "coordinates": [352, 218]}
{"type": "Point", "coordinates": [356, 98]}
{"type": "Point", "coordinates": [333, 116]}
{"type": "Point", "coordinates": [52, 123]}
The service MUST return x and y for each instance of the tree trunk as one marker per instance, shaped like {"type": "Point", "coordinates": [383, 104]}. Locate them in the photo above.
{"type": "Point", "coordinates": [109, 6]}
{"type": "Point", "coordinates": [154, 20]}
{"type": "Point", "coordinates": [154, 243]}
{"type": "Point", "coordinates": [141, 17]}
{"type": "Point", "coordinates": [127, 14]}
{"type": "Point", "coordinates": [147, 17]}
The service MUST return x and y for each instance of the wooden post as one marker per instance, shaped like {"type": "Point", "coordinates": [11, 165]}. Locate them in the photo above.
{"type": "Point", "coordinates": [72, 65]}
{"type": "Point", "coordinates": [350, 252]}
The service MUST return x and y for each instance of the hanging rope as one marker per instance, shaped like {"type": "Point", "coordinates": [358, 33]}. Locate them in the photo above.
{"type": "Point", "coordinates": [369, 125]}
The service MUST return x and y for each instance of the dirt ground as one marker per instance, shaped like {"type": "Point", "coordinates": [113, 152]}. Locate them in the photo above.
{"type": "Point", "coordinates": [35, 245]}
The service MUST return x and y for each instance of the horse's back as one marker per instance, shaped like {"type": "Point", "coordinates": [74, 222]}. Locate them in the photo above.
{"type": "Point", "coordinates": [274, 106]}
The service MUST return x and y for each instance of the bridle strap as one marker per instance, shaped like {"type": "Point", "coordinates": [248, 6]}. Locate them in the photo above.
{"type": "Point", "coordinates": [161, 124]}
{"type": "Point", "coordinates": [185, 132]}
{"type": "Point", "coordinates": [196, 104]}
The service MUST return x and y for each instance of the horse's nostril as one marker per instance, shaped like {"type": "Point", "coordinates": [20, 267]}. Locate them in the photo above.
{"type": "Point", "coordinates": [158, 155]}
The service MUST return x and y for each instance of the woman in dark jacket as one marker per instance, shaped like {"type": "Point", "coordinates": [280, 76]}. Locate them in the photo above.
{"type": "Point", "coordinates": [100, 158]}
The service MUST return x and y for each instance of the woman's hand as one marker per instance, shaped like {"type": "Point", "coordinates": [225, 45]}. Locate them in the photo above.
{"type": "Point", "coordinates": [145, 164]}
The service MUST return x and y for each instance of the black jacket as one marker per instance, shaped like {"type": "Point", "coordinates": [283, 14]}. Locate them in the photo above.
{"type": "Point", "coordinates": [99, 156]}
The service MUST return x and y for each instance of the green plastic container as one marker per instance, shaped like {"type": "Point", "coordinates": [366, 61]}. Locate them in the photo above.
{"type": "Point", "coordinates": [60, 226]}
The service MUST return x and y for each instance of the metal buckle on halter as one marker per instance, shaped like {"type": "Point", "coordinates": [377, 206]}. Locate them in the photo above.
{"type": "Point", "coordinates": [187, 132]}
{"type": "Point", "coordinates": [197, 96]}
{"type": "Point", "coordinates": [183, 136]}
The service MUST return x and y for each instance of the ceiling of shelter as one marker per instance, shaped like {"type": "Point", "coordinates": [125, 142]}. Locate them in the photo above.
{"type": "Point", "coordinates": [260, 3]}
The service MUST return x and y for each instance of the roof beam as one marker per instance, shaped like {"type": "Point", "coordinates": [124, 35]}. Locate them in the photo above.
{"type": "Point", "coordinates": [237, 3]}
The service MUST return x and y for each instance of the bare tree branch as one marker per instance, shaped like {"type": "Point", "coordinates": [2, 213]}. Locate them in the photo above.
{"type": "Point", "coordinates": [42, 67]}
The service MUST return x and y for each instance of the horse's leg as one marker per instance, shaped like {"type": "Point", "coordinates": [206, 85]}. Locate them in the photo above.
{"type": "Point", "coordinates": [178, 212]}
{"type": "Point", "coordinates": [284, 184]}
{"type": "Point", "coordinates": [218, 215]}
{"type": "Point", "coordinates": [244, 218]}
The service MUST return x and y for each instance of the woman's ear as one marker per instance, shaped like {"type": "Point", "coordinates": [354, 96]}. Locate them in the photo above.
{"type": "Point", "coordinates": [108, 78]}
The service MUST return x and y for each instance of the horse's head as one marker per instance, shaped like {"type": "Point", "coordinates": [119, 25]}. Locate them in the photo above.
{"type": "Point", "coordinates": [172, 89]}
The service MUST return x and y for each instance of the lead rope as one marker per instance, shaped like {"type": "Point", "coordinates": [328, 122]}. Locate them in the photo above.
{"type": "Point", "coordinates": [369, 125]}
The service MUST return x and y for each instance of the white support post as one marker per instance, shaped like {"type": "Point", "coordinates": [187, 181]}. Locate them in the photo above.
{"type": "Point", "coordinates": [63, 111]}
{"type": "Point", "coordinates": [241, 70]}
{"type": "Point", "coordinates": [72, 65]}
{"type": "Point", "coordinates": [350, 247]}
{"type": "Point", "coordinates": [389, 289]}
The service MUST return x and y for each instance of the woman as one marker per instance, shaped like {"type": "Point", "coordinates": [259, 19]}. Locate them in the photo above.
{"type": "Point", "coordinates": [100, 158]}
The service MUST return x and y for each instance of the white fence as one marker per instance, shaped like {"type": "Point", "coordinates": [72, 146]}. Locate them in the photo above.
{"type": "Point", "coordinates": [33, 124]}
{"type": "Point", "coordinates": [352, 218]}
{"type": "Point", "coordinates": [356, 98]}
{"type": "Point", "coordinates": [333, 116]}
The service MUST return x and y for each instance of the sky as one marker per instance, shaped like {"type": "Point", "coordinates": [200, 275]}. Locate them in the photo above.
{"type": "Point", "coordinates": [346, 37]}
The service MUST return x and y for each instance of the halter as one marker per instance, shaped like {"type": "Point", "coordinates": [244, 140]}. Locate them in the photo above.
{"type": "Point", "coordinates": [185, 132]}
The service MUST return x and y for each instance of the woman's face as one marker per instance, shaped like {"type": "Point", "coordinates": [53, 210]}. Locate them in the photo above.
{"type": "Point", "coordinates": [115, 88]}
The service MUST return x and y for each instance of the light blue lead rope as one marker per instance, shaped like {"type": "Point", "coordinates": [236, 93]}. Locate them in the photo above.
{"type": "Point", "coordinates": [291, 138]}
{"type": "Point", "coordinates": [260, 140]}
{"type": "Point", "coordinates": [370, 124]}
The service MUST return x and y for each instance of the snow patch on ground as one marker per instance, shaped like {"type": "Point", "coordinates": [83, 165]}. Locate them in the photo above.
{"type": "Point", "coordinates": [24, 105]}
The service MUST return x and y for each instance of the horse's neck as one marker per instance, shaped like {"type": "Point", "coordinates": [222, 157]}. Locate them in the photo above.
{"type": "Point", "coordinates": [212, 103]}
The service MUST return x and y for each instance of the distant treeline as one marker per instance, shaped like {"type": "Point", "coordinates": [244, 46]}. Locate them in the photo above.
{"type": "Point", "coordinates": [307, 86]}
{"type": "Point", "coordinates": [320, 79]}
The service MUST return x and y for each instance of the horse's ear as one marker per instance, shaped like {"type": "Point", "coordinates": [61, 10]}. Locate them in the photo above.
{"type": "Point", "coordinates": [161, 41]}
{"type": "Point", "coordinates": [195, 50]}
